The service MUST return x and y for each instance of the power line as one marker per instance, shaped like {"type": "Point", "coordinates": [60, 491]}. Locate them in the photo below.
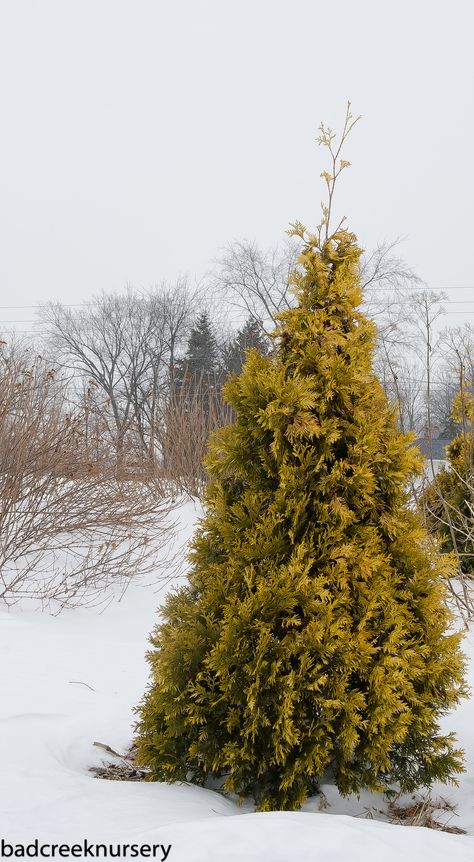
{"type": "Point", "coordinates": [370, 285]}
{"type": "Point", "coordinates": [446, 383]}
{"type": "Point", "coordinates": [82, 304]}
{"type": "Point", "coordinates": [38, 305]}
{"type": "Point", "coordinates": [418, 289]}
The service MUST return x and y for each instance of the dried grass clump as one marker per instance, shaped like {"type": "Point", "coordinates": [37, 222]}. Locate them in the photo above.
{"type": "Point", "coordinates": [424, 812]}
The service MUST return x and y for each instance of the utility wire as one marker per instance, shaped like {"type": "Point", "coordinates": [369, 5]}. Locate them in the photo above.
{"type": "Point", "coordinates": [39, 305]}
{"type": "Point", "coordinates": [374, 286]}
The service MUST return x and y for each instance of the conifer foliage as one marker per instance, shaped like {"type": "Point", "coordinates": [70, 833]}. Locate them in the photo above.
{"type": "Point", "coordinates": [196, 375]}
{"type": "Point", "coordinates": [312, 638]}
{"type": "Point", "coordinates": [250, 335]}
{"type": "Point", "coordinates": [448, 502]}
{"type": "Point", "coordinates": [200, 363]}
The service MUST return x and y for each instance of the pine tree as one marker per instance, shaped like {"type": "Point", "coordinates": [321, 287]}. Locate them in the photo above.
{"type": "Point", "coordinates": [196, 375]}
{"type": "Point", "coordinates": [201, 358]}
{"type": "Point", "coordinates": [250, 335]}
{"type": "Point", "coordinates": [312, 639]}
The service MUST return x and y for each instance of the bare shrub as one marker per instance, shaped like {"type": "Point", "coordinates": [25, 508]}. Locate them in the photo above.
{"type": "Point", "coordinates": [69, 527]}
{"type": "Point", "coordinates": [191, 416]}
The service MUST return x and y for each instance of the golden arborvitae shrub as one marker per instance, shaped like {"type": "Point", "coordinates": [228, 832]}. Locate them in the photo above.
{"type": "Point", "coordinates": [312, 638]}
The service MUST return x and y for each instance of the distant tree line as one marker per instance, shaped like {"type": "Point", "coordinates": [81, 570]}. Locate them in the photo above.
{"type": "Point", "coordinates": [147, 368]}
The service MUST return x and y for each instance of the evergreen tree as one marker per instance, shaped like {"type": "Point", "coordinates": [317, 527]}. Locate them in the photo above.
{"type": "Point", "coordinates": [201, 358]}
{"type": "Point", "coordinates": [250, 335]}
{"type": "Point", "coordinates": [312, 638]}
{"type": "Point", "coordinates": [197, 374]}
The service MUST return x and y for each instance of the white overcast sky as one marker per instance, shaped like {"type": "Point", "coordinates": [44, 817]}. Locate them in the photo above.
{"type": "Point", "coordinates": [140, 136]}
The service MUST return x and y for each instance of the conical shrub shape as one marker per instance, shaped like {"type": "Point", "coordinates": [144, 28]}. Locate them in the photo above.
{"type": "Point", "coordinates": [312, 637]}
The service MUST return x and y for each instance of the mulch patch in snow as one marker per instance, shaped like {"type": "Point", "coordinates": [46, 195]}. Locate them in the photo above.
{"type": "Point", "coordinates": [125, 770]}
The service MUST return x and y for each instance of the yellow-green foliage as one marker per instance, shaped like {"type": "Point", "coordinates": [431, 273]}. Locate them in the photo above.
{"type": "Point", "coordinates": [312, 638]}
{"type": "Point", "coordinates": [448, 502]}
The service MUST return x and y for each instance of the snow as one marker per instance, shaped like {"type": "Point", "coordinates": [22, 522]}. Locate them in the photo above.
{"type": "Point", "coordinates": [72, 679]}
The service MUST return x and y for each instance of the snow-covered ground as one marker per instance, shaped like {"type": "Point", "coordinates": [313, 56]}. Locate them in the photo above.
{"type": "Point", "coordinates": [72, 679]}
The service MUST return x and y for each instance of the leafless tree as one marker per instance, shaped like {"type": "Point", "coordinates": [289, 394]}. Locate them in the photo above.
{"type": "Point", "coordinates": [402, 380]}
{"type": "Point", "coordinates": [425, 309]}
{"type": "Point", "coordinates": [444, 389]}
{"type": "Point", "coordinates": [388, 284]}
{"type": "Point", "coordinates": [125, 345]}
{"type": "Point", "coordinates": [257, 281]}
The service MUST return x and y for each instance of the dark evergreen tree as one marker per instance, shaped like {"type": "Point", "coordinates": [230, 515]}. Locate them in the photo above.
{"type": "Point", "coordinates": [201, 357]}
{"type": "Point", "coordinates": [197, 373]}
{"type": "Point", "coordinates": [313, 637]}
{"type": "Point", "coordinates": [250, 336]}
